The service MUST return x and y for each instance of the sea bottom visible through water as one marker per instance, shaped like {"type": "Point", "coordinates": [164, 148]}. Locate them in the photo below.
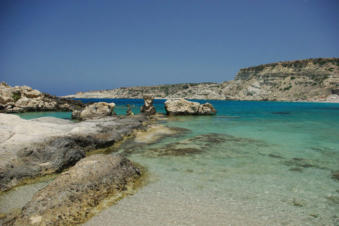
{"type": "Point", "coordinates": [254, 163]}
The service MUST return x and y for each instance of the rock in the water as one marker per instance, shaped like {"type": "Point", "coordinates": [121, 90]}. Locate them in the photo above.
{"type": "Point", "coordinates": [185, 107]}
{"type": "Point", "coordinates": [129, 111]}
{"type": "Point", "coordinates": [31, 148]}
{"type": "Point", "coordinates": [24, 98]}
{"type": "Point", "coordinates": [95, 110]}
{"type": "Point", "coordinates": [69, 199]}
{"type": "Point", "coordinates": [148, 107]}
{"type": "Point", "coordinates": [335, 175]}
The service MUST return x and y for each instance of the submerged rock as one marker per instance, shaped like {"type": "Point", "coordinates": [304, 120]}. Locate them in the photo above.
{"type": "Point", "coordinates": [154, 133]}
{"type": "Point", "coordinates": [335, 175]}
{"type": "Point", "coordinates": [148, 107]}
{"type": "Point", "coordinates": [302, 163]}
{"type": "Point", "coordinates": [52, 144]}
{"type": "Point", "coordinates": [275, 156]}
{"type": "Point", "coordinates": [185, 107]}
{"type": "Point", "coordinates": [95, 110]}
{"type": "Point", "coordinates": [24, 98]}
{"type": "Point", "coordinates": [70, 198]}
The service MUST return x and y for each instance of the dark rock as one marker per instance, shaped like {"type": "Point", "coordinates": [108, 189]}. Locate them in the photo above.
{"type": "Point", "coordinates": [303, 163]}
{"type": "Point", "coordinates": [296, 169]}
{"type": "Point", "coordinates": [172, 150]}
{"type": "Point", "coordinates": [335, 175]}
{"type": "Point", "coordinates": [281, 113]}
{"type": "Point", "coordinates": [69, 199]}
{"type": "Point", "coordinates": [275, 156]}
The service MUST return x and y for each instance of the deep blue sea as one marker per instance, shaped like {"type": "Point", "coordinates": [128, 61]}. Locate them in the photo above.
{"type": "Point", "coordinates": [254, 163]}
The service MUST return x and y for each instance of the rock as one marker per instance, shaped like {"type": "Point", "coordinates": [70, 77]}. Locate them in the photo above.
{"type": "Point", "coordinates": [129, 111]}
{"type": "Point", "coordinates": [69, 199]}
{"type": "Point", "coordinates": [154, 133]}
{"type": "Point", "coordinates": [95, 110]}
{"type": "Point", "coordinates": [148, 107]}
{"type": "Point", "coordinates": [335, 175]}
{"type": "Point", "coordinates": [185, 107]}
{"type": "Point", "coordinates": [24, 98]}
{"type": "Point", "coordinates": [300, 80]}
{"type": "Point", "coordinates": [52, 144]}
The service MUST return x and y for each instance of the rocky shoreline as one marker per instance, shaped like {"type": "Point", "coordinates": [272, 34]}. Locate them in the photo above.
{"type": "Point", "coordinates": [31, 149]}
{"type": "Point", "coordinates": [20, 99]}
{"type": "Point", "coordinates": [38, 147]}
{"type": "Point", "coordinates": [70, 198]}
{"type": "Point", "coordinates": [309, 80]}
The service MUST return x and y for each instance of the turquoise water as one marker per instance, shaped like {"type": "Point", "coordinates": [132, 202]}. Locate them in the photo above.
{"type": "Point", "coordinates": [254, 163]}
{"type": "Point", "coordinates": [32, 115]}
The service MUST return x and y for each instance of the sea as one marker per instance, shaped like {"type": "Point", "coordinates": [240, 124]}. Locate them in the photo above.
{"type": "Point", "coordinates": [253, 163]}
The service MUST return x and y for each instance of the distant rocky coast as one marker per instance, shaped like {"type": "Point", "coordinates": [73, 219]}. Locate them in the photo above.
{"type": "Point", "coordinates": [314, 80]}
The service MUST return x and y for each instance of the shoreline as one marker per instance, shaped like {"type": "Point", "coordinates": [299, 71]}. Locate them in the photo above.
{"type": "Point", "coordinates": [155, 98]}
{"type": "Point", "coordinates": [154, 194]}
{"type": "Point", "coordinates": [55, 144]}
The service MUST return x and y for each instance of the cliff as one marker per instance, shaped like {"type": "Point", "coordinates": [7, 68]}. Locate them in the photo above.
{"type": "Point", "coordinates": [300, 80]}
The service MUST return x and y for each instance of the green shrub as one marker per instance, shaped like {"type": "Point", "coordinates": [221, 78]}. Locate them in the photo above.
{"type": "Point", "coordinates": [287, 88]}
{"type": "Point", "coordinates": [16, 96]}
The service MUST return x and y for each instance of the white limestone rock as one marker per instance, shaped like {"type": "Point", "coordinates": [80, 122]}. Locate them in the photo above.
{"type": "Point", "coordinates": [185, 107]}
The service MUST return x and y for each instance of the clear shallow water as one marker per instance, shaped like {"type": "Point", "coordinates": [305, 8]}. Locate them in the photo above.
{"type": "Point", "coordinates": [253, 163]}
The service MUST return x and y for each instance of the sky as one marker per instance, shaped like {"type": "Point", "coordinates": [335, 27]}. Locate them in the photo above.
{"type": "Point", "coordinates": [65, 46]}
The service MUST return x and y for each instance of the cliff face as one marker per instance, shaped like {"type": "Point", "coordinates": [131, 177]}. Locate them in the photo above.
{"type": "Point", "coordinates": [188, 90]}
{"type": "Point", "coordinates": [312, 79]}
{"type": "Point", "coordinates": [301, 80]}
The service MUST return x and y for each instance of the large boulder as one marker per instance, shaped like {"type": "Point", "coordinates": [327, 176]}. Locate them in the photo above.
{"type": "Point", "coordinates": [185, 107]}
{"type": "Point", "coordinates": [69, 199]}
{"type": "Point", "coordinates": [148, 108]}
{"type": "Point", "coordinates": [95, 110]}
{"type": "Point", "coordinates": [38, 147]}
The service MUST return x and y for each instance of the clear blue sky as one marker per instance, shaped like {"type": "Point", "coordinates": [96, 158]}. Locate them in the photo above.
{"type": "Point", "coordinates": [65, 46]}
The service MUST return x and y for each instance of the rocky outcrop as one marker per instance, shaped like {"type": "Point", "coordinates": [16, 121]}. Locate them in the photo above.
{"type": "Point", "coordinates": [95, 110]}
{"type": "Point", "coordinates": [185, 107]}
{"type": "Point", "coordinates": [129, 111]}
{"type": "Point", "coordinates": [31, 148]}
{"type": "Point", "coordinates": [148, 108]}
{"type": "Point", "coordinates": [301, 80]}
{"type": "Point", "coordinates": [69, 199]}
{"type": "Point", "coordinates": [24, 98]}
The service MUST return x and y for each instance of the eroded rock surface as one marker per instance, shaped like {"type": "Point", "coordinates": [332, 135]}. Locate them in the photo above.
{"type": "Point", "coordinates": [69, 199]}
{"type": "Point", "coordinates": [24, 98]}
{"type": "Point", "coordinates": [299, 80]}
{"type": "Point", "coordinates": [30, 148]}
{"type": "Point", "coordinates": [95, 110]}
{"type": "Point", "coordinates": [148, 107]}
{"type": "Point", "coordinates": [185, 107]}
